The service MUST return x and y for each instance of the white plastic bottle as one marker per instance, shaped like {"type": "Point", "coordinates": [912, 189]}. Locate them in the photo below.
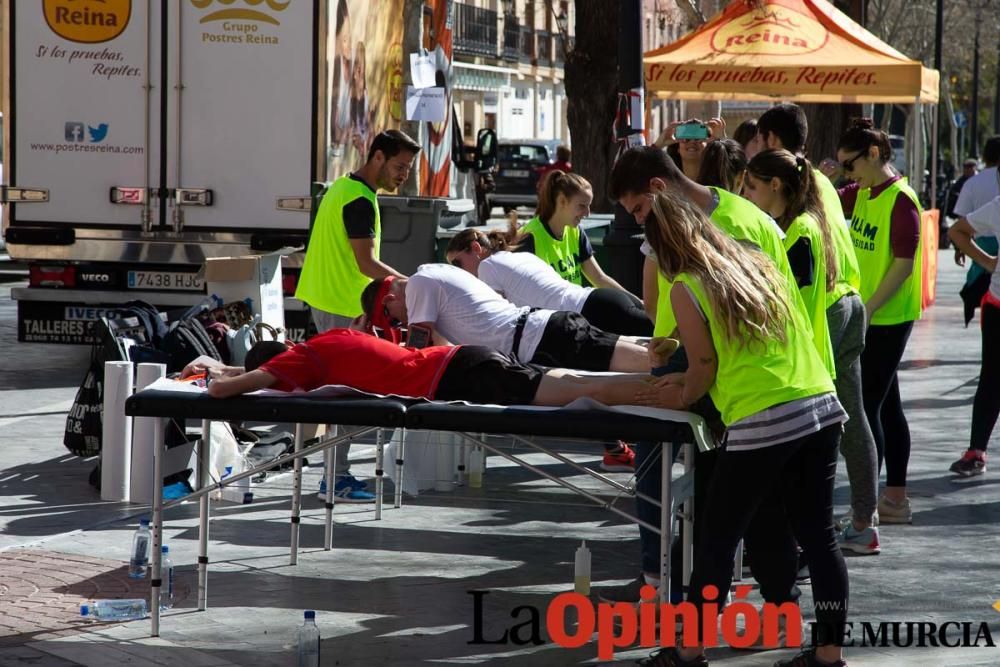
{"type": "Point", "coordinates": [581, 570]}
{"type": "Point", "coordinates": [166, 579]}
{"type": "Point", "coordinates": [309, 641]}
{"type": "Point", "coordinates": [114, 610]}
{"type": "Point", "coordinates": [140, 550]}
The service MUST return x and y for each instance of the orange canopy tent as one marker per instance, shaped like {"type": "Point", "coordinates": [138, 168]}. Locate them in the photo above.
{"type": "Point", "coordinates": [794, 50]}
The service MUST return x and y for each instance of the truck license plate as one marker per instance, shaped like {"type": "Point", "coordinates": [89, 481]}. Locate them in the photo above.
{"type": "Point", "coordinates": [172, 280]}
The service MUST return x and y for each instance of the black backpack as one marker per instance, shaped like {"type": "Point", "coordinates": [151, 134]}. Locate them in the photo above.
{"type": "Point", "coordinates": [185, 341]}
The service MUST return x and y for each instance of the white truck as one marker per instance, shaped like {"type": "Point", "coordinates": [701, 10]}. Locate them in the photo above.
{"type": "Point", "coordinates": [144, 136]}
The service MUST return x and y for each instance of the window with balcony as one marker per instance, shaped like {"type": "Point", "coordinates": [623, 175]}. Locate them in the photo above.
{"type": "Point", "coordinates": [544, 41]}
{"type": "Point", "coordinates": [475, 30]}
{"type": "Point", "coordinates": [527, 44]}
{"type": "Point", "coordinates": [511, 38]}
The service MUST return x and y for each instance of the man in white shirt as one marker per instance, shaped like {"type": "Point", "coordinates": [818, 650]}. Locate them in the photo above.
{"type": "Point", "coordinates": [454, 306]}
{"type": "Point", "coordinates": [977, 192]}
{"type": "Point", "coordinates": [981, 188]}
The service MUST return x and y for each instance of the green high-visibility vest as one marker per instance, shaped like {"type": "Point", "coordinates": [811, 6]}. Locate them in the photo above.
{"type": "Point", "coordinates": [563, 254]}
{"type": "Point", "coordinates": [814, 295]}
{"type": "Point", "coordinates": [756, 377]}
{"type": "Point", "coordinates": [848, 274]}
{"type": "Point", "coordinates": [742, 220]}
{"type": "Point", "coordinates": [331, 280]}
{"type": "Point", "coordinates": [871, 233]}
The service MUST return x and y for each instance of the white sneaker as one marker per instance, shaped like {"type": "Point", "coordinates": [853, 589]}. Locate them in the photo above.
{"type": "Point", "coordinates": [892, 512]}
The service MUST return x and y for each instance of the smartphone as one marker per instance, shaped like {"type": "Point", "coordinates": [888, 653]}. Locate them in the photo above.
{"type": "Point", "coordinates": [418, 336]}
{"type": "Point", "coordinates": [692, 130]}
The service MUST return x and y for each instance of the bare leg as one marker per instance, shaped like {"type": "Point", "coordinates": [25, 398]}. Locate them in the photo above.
{"type": "Point", "coordinates": [610, 390]}
{"type": "Point", "coordinates": [629, 358]}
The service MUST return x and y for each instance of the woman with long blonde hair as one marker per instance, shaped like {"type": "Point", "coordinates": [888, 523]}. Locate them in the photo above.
{"type": "Point", "coordinates": [750, 348]}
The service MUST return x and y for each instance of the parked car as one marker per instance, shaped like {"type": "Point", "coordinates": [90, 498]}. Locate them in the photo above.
{"type": "Point", "coordinates": [519, 163]}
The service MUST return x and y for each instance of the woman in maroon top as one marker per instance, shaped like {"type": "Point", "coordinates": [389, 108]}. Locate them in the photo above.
{"type": "Point", "coordinates": [865, 155]}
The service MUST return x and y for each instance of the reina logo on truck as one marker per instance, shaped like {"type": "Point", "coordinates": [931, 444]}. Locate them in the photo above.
{"type": "Point", "coordinates": [87, 21]}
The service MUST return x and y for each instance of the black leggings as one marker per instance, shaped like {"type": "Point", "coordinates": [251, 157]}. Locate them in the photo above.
{"type": "Point", "coordinates": [884, 346]}
{"type": "Point", "coordinates": [617, 312]}
{"type": "Point", "coordinates": [787, 488]}
{"type": "Point", "coordinates": [986, 405]}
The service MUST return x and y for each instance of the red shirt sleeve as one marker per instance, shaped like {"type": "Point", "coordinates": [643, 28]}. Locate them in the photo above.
{"type": "Point", "coordinates": [848, 195]}
{"type": "Point", "coordinates": [904, 231]}
{"type": "Point", "coordinates": [296, 369]}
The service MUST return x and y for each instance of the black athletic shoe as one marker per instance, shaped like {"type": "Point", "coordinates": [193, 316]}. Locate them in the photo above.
{"type": "Point", "coordinates": [972, 463]}
{"type": "Point", "coordinates": [808, 659]}
{"type": "Point", "coordinates": [669, 657]}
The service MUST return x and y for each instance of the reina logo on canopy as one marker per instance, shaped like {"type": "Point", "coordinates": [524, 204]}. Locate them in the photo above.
{"type": "Point", "coordinates": [87, 21]}
{"type": "Point", "coordinates": [771, 30]}
{"type": "Point", "coordinates": [241, 13]}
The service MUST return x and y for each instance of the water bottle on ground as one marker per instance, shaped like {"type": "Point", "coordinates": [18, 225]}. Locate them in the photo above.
{"type": "Point", "coordinates": [114, 610]}
{"type": "Point", "coordinates": [140, 550]}
{"type": "Point", "coordinates": [167, 579]}
{"type": "Point", "coordinates": [309, 642]}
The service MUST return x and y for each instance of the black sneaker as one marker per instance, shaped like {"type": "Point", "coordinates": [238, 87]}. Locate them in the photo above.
{"type": "Point", "coordinates": [669, 657]}
{"type": "Point", "coordinates": [972, 463]}
{"type": "Point", "coordinates": [808, 659]}
{"type": "Point", "coordinates": [623, 592]}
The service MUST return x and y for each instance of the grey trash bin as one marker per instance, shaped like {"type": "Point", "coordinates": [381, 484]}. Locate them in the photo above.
{"type": "Point", "coordinates": [410, 226]}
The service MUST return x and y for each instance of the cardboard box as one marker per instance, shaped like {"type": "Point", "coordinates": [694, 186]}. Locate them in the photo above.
{"type": "Point", "coordinates": [256, 277]}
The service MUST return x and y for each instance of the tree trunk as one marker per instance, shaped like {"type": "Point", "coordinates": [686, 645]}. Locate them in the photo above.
{"type": "Point", "coordinates": [592, 92]}
{"type": "Point", "coordinates": [826, 123]}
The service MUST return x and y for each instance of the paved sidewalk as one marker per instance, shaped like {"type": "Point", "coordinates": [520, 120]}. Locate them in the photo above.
{"type": "Point", "coordinates": [396, 592]}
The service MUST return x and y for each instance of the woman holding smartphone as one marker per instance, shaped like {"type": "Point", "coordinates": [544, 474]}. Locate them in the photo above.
{"type": "Point", "coordinates": [686, 141]}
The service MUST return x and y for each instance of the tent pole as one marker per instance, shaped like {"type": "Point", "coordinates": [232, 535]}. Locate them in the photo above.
{"type": "Point", "coordinates": [934, 159]}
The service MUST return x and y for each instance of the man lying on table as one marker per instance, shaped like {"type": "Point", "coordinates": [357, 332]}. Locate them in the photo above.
{"type": "Point", "coordinates": [454, 373]}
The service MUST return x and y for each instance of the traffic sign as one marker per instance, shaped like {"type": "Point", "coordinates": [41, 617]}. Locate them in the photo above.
{"type": "Point", "coordinates": [961, 120]}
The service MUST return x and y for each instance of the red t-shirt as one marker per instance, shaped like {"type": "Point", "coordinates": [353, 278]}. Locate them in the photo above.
{"type": "Point", "coordinates": [362, 361]}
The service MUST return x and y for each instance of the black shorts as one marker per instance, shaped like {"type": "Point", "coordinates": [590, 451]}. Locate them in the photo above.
{"type": "Point", "coordinates": [570, 341]}
{"type": "Point", "coordinates": [480, 374]}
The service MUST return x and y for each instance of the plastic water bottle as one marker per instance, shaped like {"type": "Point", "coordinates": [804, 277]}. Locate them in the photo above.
{"type": "Point", "coordinates": [309, 641]}
{"type": "Point", "coordinates": [114, 610]}
{"type": "Point", "coordinates": [140, 550]}
{"type": "Point", "coordinates": [167, 578]}
{"type": "Point", "coordinates": [581, 570]}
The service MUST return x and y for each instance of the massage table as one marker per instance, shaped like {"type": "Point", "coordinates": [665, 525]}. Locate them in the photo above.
{"type": "Point", "coordinates": [582, 420]}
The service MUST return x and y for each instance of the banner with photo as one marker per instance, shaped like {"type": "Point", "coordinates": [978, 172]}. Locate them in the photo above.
{"type": "Point", "coordinates": [364, 78]}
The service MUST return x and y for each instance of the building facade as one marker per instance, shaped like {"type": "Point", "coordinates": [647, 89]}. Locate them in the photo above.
{"type": "Point", "coordinates": [508, 67]}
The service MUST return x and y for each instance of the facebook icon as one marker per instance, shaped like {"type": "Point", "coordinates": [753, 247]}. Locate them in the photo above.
{"type": "Point", "coordinates": [74, 131]}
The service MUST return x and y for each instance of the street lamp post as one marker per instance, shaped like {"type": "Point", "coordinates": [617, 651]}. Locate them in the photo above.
{"type": "Point", "coordinates": [974, 121]}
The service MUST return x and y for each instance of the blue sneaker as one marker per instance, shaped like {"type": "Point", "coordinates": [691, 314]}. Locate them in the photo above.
{"type": "Point", "coordinates": [864, 541]}
{"type": "Point", "coordinates": [347, 490]}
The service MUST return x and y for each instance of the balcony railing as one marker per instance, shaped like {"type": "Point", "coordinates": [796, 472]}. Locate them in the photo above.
{"type": "Point", "coordinates": [527, 44]}
{"type": "Point", "coordinates": [475, 30]}
{"type": "Point", "coordinates": [544, 45]}
{"type": "Point", "coordinates": [511, 38]}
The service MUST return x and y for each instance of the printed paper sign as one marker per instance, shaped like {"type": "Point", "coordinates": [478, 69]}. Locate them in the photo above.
{"type": "Point", "coordinates": [422, 70]}
{"type": "Point", "coordinates": [426, 104]}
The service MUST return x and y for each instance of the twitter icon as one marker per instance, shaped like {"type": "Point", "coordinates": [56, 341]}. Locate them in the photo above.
{"type": "Point", "coordinates": [98, 133]}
